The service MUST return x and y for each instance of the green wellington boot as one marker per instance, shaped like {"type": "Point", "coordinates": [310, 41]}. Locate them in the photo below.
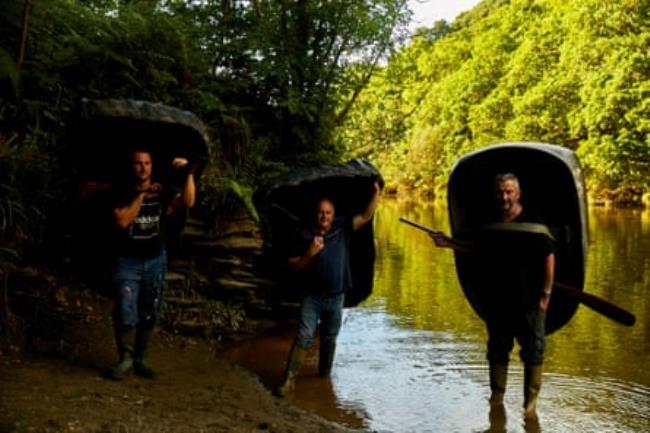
{"type": "Point", "coordinates": [140, 365]}
{"type": "Point", "coordinates": [498, 381]}
{"type": "Point", "coordinates": [532, 385]}
{"type": "Point", "coordinates": [123, 338]}
{"type": "Point", "coordinates": [326, 358]}
{"type": "Point", "coordinates": [296, 357]}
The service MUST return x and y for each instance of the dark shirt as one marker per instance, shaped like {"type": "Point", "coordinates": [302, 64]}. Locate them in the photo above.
{"type": "Point", "coordinates": [514, 265]}
{"type": "Point", "coordinates": [328, 273]}
{"type": "Point", "coordinates": [145, 237]}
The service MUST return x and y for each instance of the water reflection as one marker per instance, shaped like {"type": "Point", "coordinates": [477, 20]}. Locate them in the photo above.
{"type": "Point", "coordinates": [411, 359]}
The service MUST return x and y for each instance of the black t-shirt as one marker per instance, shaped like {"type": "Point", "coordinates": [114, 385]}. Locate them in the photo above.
{"type": "Point", "coordinates": [145, 237]}
{"type": "Point", "coordinates": [513, 264]}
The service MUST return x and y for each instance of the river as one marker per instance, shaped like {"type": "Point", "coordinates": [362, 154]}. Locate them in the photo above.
{"type": "Point", "coordinates": [412, 357]}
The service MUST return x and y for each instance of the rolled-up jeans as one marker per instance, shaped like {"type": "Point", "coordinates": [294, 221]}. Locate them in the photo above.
{"type": "Point", "coordinates": [527, 327]}
{"type": "Point", "coordinates": [138, 284]}
{"type": "Point", "coordinates": [315, 308]}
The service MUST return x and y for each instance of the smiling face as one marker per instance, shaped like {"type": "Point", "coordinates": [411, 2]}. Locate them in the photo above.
{"type": "Point", "coordinates": [142, 166]}
{"type": "Point", "coordinates": [325, 215]}
{"type": "Point", "coordinates": [507, 195]}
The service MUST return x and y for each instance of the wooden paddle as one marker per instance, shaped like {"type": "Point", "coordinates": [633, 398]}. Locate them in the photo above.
{"type": "Point", "coordinates": [597, 304]}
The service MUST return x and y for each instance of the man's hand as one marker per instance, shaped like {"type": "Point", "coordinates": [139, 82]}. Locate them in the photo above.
{"type": "Point", "coordinates": [377, 188]}
{"type": "Point", "coordinates": [154, 187]}
{"type": "Point", "coordinates": [544, 300]}
{"type": "Point", "coordinates": [316, 246]}
{"type": "Point", "coordinates": [441, 240]}
{"type": "Point", "coordinates": [178, 163]}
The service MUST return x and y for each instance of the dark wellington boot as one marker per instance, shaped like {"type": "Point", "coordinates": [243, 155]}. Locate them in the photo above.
{"type": "Point", "coordinates": [532, 385]}
{"type": "Point", "coordinates": [296, 357]}
{"type": "Point", "coordinates": [326, 358]}
{"type": "Point", "coordinates": [498, 419]}
{"type": "Point", "coordinates": [124, 367]}
{"type": "Point", "coordinates": [140, 365]}
{"type": "Point", "coordinates": [498, 381]}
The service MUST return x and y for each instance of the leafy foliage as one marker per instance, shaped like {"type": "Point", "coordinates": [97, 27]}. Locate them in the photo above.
{"type": "Point", "coordinates": [266, 76]}
{"type": "Point", "coordinates": [570, 73]}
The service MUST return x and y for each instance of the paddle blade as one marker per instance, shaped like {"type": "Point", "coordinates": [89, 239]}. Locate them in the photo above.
{"type": "Point", "coordinates": [599, 305]}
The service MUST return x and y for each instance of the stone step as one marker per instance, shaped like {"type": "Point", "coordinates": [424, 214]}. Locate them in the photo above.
{"type": "Point", "coordinates": [184, 302]}
{"type": "Point", "coordinates": [195, 222]}
{"type": "Point", "coordinates": [227, 246]}
{"type": "Point", "coordinates": [191, 232]}
{"type": "Point", "coordinates": [261, 284]}
{"type": "Point", "coordinates": [232, 285]}
{"type": "Point", "coordinates": [223, 265]}
{"type": "Point", "coordinates": [181, 266]}
{"type": "Point", "coordinates": [175, 277]}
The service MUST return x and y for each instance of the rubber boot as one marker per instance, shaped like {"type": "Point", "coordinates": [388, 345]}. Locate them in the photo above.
{"type": "Point", "coordinates": [296, 357]}
{"type": "Point", "coordinates": [498, 381]}
{"type": "Point", "coordinates": [140, 365]}
{"type": "Point", "coordinates": [326, 357]}
{"type": "Point", "coordinates": [123, 338]}
{"type": "Point", "coordinates": [532, 385]}
{"type": "Point", "coordinates": [498, 419]}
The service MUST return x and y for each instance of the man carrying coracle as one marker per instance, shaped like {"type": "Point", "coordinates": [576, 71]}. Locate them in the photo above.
{"type": "Point", "coordinates": [141, 209]}
{"type": "Point", "coordinates": [322, 258]}
{"type": "Point", "coordinates": [515, 282]}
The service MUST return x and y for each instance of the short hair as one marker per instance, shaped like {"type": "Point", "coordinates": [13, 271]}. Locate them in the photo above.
{"type": "Point", "coordinates": [504, 177]}
{"type": "Point", "coordinates": [132, 152]}
{"type": "Point", "coordinates": [323, 198]}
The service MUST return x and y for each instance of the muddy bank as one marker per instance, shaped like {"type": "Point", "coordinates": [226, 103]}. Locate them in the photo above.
{"type": "Point", "coordinates": [52, 375]}
{"type": "Point", "coordinates": [61, 344]}
{"type": "Point", "coordinates": [55, 382]}
{"type": "Point", "coordinates": [195, 392]}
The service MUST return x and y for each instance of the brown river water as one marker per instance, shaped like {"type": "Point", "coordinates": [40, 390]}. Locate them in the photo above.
{"type": "Point", "coordinates": [412, 357]}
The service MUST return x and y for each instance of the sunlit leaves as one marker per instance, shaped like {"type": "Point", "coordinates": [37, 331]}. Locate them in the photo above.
{"type": "Point", "coordinates": [570, 73]}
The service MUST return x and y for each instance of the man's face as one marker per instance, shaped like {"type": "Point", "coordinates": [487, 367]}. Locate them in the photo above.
{"type": "Point", "coordinates": [325, 215]}
{"type": "Point", "coordinates": [507, 195]}
{"type": "Point", "coordinates": [142, 166]}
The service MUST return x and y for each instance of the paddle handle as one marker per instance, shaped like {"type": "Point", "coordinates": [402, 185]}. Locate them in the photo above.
{"type": "Point", "coordinates": [419, 226]}
{"type": "Point", "coordinates": [287, 213]}
{"type": "Point", "coordinates": [597, 304]}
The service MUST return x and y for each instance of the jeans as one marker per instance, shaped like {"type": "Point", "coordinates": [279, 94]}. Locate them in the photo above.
{"type": "Point", "coordinates": [139, 284]}
{"type": "Point", "coordinates": [528, 329]}
{"type": "Point", "coordinates": [329, 310]}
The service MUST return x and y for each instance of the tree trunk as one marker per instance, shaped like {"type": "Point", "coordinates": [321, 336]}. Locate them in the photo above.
{"type": "Point", "coordinates": [23, 35]}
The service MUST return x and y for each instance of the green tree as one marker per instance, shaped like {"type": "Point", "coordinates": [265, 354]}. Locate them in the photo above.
{"type": "Point", "coordinates": [570, 73]}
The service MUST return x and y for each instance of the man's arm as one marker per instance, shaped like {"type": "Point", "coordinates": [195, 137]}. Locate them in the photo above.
{"type": "Point", "coordinates": [187, 197]}
{"type": "Point", "coordinates": [359, 220]}
{"type": "Point", "coordinates": [443, 241]}
{"type": "Point", "coordinates": [125, 215]}
{"type": "Point", "coordinates": [298, 263]}
{"type": "Point", "coordinates": [549, 276]}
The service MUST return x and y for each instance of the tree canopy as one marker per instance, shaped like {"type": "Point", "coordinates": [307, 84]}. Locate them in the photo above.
{"type": "Point", "coordinates": [271, 79]}
{"type": "Point", "coordinates": [573, 73]}
{"type": "Point", "coordinates": [283, 83]}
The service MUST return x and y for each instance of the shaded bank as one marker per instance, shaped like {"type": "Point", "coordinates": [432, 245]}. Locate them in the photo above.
{"type": "Point", "coordinates": [58, 386]}
{"type": "Point", "coordinates": [197, 391]}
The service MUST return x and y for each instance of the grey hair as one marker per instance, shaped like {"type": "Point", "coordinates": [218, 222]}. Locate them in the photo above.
{"type": "Point", "coordinates": [503, 177]}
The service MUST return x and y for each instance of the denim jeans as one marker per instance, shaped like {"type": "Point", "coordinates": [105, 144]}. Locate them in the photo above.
{"type": "Point", "coordinates": [139, 284]}
{"type": "Point", "coordinates": [528, 329]}
{"type": "Point", "coordinates": [315, 308]}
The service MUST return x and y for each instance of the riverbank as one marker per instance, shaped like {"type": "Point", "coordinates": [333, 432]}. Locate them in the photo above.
{"type": "Point", "coordinates": [57, 343]}
{"type": "Point", "coordinates": [53, 380]}
{"type": "Point", "coordinates": [197, 391]}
